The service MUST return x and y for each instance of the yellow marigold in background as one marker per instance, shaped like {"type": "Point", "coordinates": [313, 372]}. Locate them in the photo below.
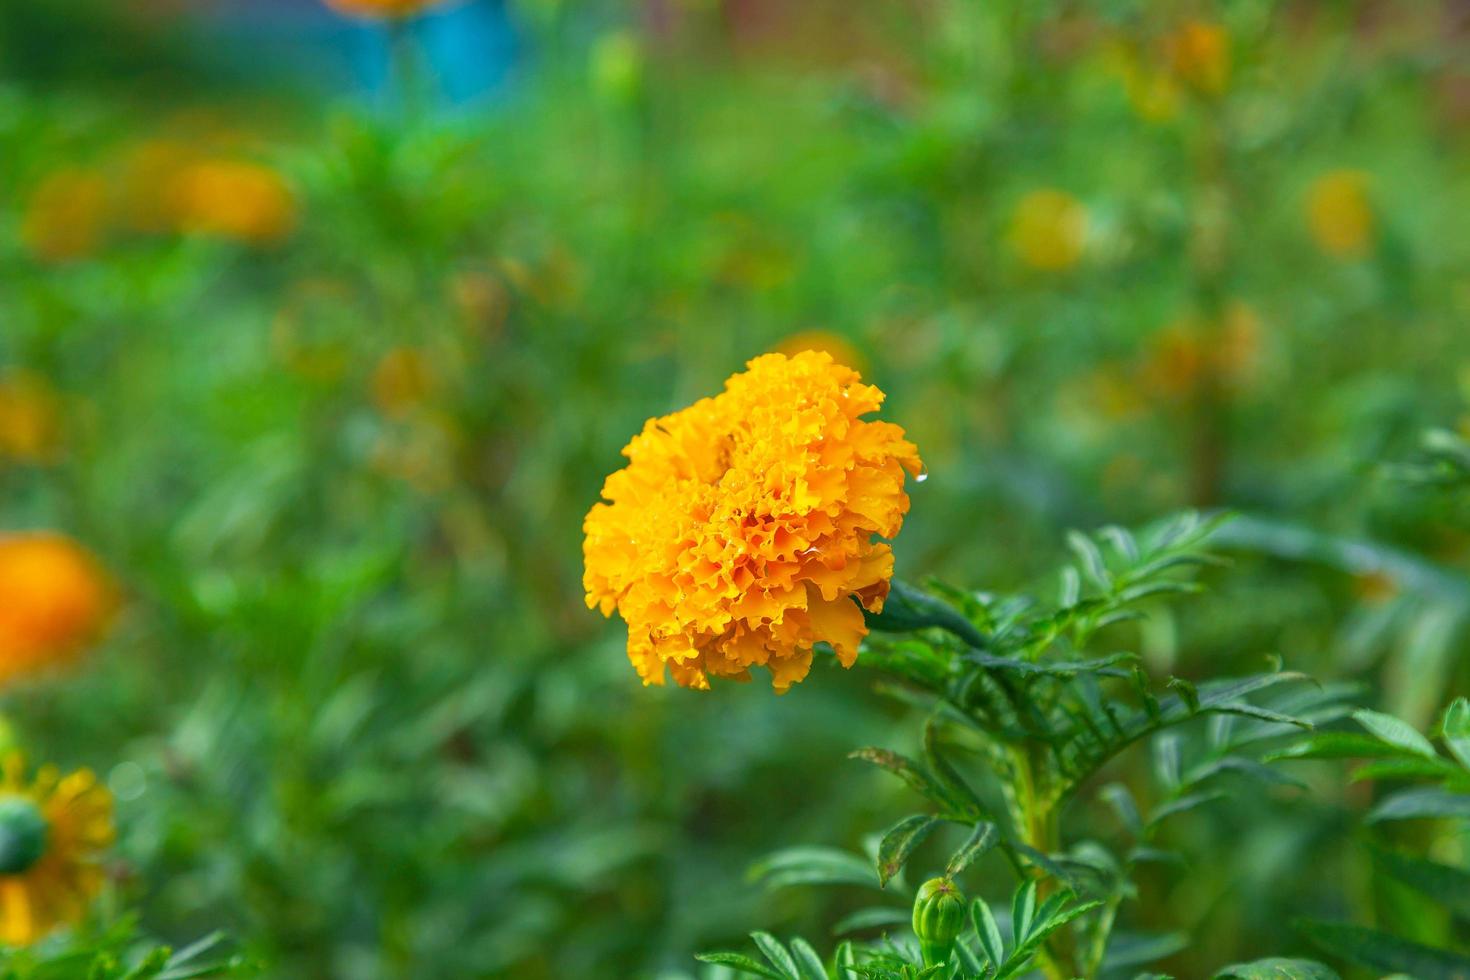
{"type": "Point", "coordinates": [841, 349]}
{"type": "Point", "coordinates": [30, 419]}
{"type": "Point", "coordinates": [1340, 214]}
{"type": "Point", "coordinates": [1182, 355]}
{"type": "Point", "coordinates": [234, 199]}
{"type": "Point", "coordinates": [1049, 229]}
{"type": "Point", "coordinates": [1198, 52]}
{"type": "Point", "coordinates": [151, 184]}
{"type": "Point", "coordinates": [54, 600]}
{"type": "Point", "coordinates": [741, 531]}
{"type": "Point", "coordinates": [374, 9]}
{"type": "Point", "coordinates": [66, 216]}
{"type": "Point", "coordinates": [402, 381]}
{"type": "Point", "coordinates": [53, 832]}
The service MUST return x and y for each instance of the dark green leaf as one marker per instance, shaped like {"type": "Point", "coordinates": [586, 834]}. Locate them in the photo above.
{"type": "Point", "coordinates": [1446, 884]}
{"type": "Point", "coordinates": [773, 951]}
{"type": "Point", "coordinates": [741, 962]}
{"type": "Point", "coordinates": [1277, 969]}
{"type": "Point", "coordinates": [899, 843]}
{"type": "Point", "coordinates": [1413, 804]}
{"type": "Point", "coordinates": [1380, 951]}
{"type": "Point", "coordinates": [981, 839]}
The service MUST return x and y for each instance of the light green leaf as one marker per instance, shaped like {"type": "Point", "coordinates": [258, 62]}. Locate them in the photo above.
{"type": "Point", "coordinates": [807, 960]}
{"type": "Point", "coordinates": [1456, 730]}
{"type": "Point", "coordinates": [981, 840]}
{"type": "Point", "coordinates": [1395, 732]}
{"type": "Point", "coordinates": [741, 962]}
{"type": "Point", "coordinates": [773, 951]}
{"type": "Point", "coordinates": [1413, 804]}
{"type": "Point", "coordinates": [1278, 969]}
{"type": "Point", "coordinates": [987, 932]}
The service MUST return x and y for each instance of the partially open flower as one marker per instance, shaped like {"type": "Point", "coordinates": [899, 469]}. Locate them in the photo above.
{"type": "Point", "coordinates": [54, 600]}
{"type": "Point", "coordinates": [53, 830]}
{"type": "Point", "coordinates": [741, 531]}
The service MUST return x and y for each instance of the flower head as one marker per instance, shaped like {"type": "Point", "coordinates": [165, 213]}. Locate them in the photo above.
{"type": "Point", "coordinates": [1049, 229]}
{"type": "Point", "coordinates": [1199, 54]}
{"type": "Point", "coordinates": [66, 216]}
{"type": "Point", "coordinates": [53, 830]}
{"type": "Point", "coordinates": [54, 599]}
{"type": "Point", "coordinates": [1340, 213]}
{"type": "Point", "coordinates": [233, 199]}
{"type": "Point", "coordinates": [741, 531]}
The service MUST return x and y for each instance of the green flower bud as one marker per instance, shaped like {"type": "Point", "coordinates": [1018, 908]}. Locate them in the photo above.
{"type": "Point", "coordinates": [22, 834]}
{"type": "Point", "coordinates": [939, 915]}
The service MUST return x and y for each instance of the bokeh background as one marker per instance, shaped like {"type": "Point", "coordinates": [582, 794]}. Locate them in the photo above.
{"type": "Point", "coordinates": [322, 333]}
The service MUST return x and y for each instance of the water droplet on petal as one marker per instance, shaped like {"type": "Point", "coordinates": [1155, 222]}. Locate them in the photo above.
{"type": "Point", "coordinates": [921, 477]}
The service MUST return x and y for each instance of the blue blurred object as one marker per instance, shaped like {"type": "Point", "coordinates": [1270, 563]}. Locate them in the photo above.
{"type": "Point", "coordinates": [469, 48]}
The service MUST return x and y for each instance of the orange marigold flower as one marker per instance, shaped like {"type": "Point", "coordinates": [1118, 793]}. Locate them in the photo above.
{"type": "Point", "coordinates": [402, 381]}
{"type": "Point", "coordinates": [233, 199]}
{"type": "Point", "coordinates": [741, 531]}
{"type": "Point", "coordinates": [1199, 53]}
{"type": "Point", "coordinates": [54, 599]}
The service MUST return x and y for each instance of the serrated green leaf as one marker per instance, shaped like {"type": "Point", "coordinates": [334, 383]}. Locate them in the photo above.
{"type": "Point", "coordinates": [1395, 732]}
{"type": "Point", "coordinates": [1023, 912]}
{"type": "Point", "coordinates": [981, 839]}
{"type": "Point", "coordinates": [807, 960]}
{"type": "Point", "coordinates": [1404, 767]}
{"type": "Point", "coordinates": [773, 951]}
{"type": "Point", "coordinates": [900, 841]}
{"type": "Point", "coordinates": [741, 962]}
{"type": "Point", "coordinates": [987, 932]}
{"type": "Point", "coordinates": [1426, 802]}
{"type": "Point", "coordinates": [1278, 968]}
{"type": "Point", "coordinates": [1380, 951]}
{"type": "Point", "coordinates": [1248, 710]}
{"type": "Point", "coordinates": [1090, 559]}
{"type": "Point", "coordinates": [1182, 805]}
{"type": "Point", "coordinates": [909, 771]}
{"type": "Point", "coordinates": [1456, 730]}
{"type": "Point", "coordinates": [1334, 745]}
{"type": "Point", "coordinates": [963, 802]}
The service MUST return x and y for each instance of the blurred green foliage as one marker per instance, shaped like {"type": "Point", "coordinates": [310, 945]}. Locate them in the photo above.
{"type": "Point", "coordinates": [355, 713]}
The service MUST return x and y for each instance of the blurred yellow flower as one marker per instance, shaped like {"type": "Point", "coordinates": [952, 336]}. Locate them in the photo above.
{"type": "Point", "coordinates": [402, 381]}
{"type": "Point", "coordinates": [841, 349]}
{"type": "Point", "coordinates": [66, 216]}
{"type": "Point", "coordinates": [1049, 229]}
{"type": "Point", "coordinates": [53, 832]}
{"type": "Point", "coordinates": [1198, 52]}
{"type": "Point", "coordinates": [235, 199]}
{"type": "Point", "coordinates": [1340, 214]}
{"type": "Point", "coordinates": [1190, 350]}
{"type": "Point", "coordinates": [741, 531]}
{"type": "Point", "coordinates": [54, 600]}
{"type": "Point", "coordinates": [30, 418]}
{"type": "Point", "coordinates": [377, 9]}
{"type": "Point", "coordinates": [151, 184]}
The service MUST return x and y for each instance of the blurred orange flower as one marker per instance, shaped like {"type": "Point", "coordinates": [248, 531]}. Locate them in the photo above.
{"type": "Point", "coordinates": [1187, 351]}
{"type": "Point", "coordinates": [841, 349]}
{"type": "Point", "coordinates": [238, 200]}
{"type": "Point", "coordinates": [1198, 52]}
{"type": "Point", "coordinates": [66, 216]}
{"type": "Point", "coordinates": [54, 600]}
{"type": "Point", "coordinates": [30, 418]}
{"type": "Point", "coordinates": [1049, 229]}
{"type": "Point", "coordinates": [402, 381]}
{"type": "Point", "coordinates": [151, 182]}
{"type": "Point", "coordinates": [1340, 214]}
